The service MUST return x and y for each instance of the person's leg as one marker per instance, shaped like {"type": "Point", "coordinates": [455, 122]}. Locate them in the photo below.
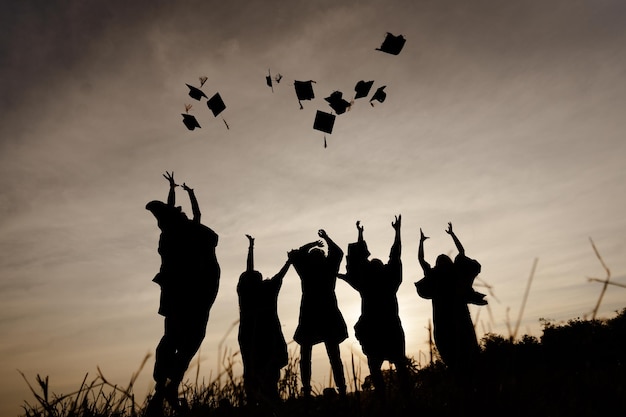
{"type": "Point", "coordinates": [332, 349]}
{"type": "Point", "coordinates": [376, 374]}
{"type": "Point", "coordinates": [305, 368]}
{"type": "Point", "coordinates": [269, 375]}
{"type": "Point", "coordinates": [188, 333]}
{"type": "Point", "coordinates": [402, 370]}
{"type": "Point", "coordinates": [165, 356]}
{"type": "Point", "coordinates": [272, 384]}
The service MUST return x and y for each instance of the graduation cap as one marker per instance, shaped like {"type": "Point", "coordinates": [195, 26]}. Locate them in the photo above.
{"type": "Point", "coordinates": [362, 88]}
{"type": "Point", "coordinates": [304, 90]}
{"type": "Point", "coordinates": [379, 95]}
{"type": "Point", "coordinates": [392, 44]}
{"type": "Point", "coordinates": [337, 103]}
{"type": "Point", "coordinates": [216, 104]}
{"type": "Point", "coordinates": [196, 92]}
{"type": "Point", "coordinates": [268, 80]}
{"type": "Point", "coordinates": [190, 121]}
{"type": "Point", "coordinates": [324, 122]}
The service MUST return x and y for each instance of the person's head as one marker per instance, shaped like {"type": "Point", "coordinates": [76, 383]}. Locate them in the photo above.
{"type": "Point", "coordinates": [165, 214]}
{"type": "Point", "coordinates": [376, 266]}
{"type": "Point", "coordinates": [317, 255]}
{"type": "Point", "coordinates": [251, 276]}
{"type": "Point", "coordinates": [443, 262]}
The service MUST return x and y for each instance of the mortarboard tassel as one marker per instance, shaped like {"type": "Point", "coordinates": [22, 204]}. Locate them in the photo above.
{"type": "Point", "coordinates": [227, 127]}
{"type": "Point", "coordinates": [325, 145]}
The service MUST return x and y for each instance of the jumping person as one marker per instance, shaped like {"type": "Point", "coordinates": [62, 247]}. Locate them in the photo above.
{"type": "Point", "coordinates": [379, 329]}
{"type": "Point", "coordinates": [261, 341]}
{"type": "Point", "coordinates": [320, 319]}
{"type": "Point", "coordinates": [189, 281]}
{"type": "Point", "coordinates": [446, 284]}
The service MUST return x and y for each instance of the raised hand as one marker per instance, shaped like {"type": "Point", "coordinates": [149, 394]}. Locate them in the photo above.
{"type": "Point", "coordinates": [170, 178]}
{"type": "Point", "coordinates": [422, 237]}
{"type": "Point", "coordinates": [449, 230]}
{"type": "Point", "coordinates": [396, 224]}
{"type": "Point", "coordinates": [322, 233]}
{"type": "Point", "coordinates": [186, 188]}
{"type": "Point", "coordinates": [250, 239]}
{"type": "Point", "coordinates": [358, 226]}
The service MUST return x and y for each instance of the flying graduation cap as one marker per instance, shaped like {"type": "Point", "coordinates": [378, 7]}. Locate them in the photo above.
{"type": "Point", "coordinates": [190, 121]}
{"type": "Point", "coordinates": [337, 103]}
{"type": "Point", "coordinates": [196, 93]}
{"type": "Point", "coordinates": [392, 44]}
{"type": "Point", "coordinates": [216, 105]}
{"type": "Point", "coordinates": [379, 95]}
{"type": "Point", "coordinates": [324, 122]}
{"type": "Point", "coordinates": [362, 88]}
{"type": "Point", "coordinates": [268, 80]}
{"type": "Point", "coordinates": [304, 91]}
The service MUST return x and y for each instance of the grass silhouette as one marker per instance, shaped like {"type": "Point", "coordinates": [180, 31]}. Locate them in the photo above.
{"type": "Point", "coordinates": [575, 368]}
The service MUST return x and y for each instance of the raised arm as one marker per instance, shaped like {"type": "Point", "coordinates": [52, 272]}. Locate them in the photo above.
{"type": "Point", "coordinates": [250, 259]}
{"type": "Point", "coordinates": [308, 246]}
{"type": "Point", "coordinates": [278, 278]}
{"type": "Point", "coordinates": [457, 242]}
{"type": "Point", "coordinates": [333, 248]}
{"type": "Point", "coordinates": [296, 254]}
{"type": "Point", "coordinates": [360, 229]}
{"type": "Point", "coordinates": [331, 244]}
{"type": "Point", "coordinates": [195, 208]}
{"type": "Point", "coordinates": [420, 253]}
{"type": "Point", "coordinates": [396, 248]}
{"type": "Point", "coordinates": [171, 196]}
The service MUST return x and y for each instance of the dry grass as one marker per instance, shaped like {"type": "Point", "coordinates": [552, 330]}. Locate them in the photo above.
{"type": "Point", "coordinates": [576, 369]}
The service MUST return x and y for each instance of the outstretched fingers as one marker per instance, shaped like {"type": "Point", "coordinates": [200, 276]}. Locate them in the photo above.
{"type": "Point", "coordinates": [396, 224]}
{"type": "Point", "coordinates": [170, 177]}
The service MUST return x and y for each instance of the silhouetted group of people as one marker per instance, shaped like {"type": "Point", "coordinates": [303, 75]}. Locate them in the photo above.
{"type": "Point", "coordinates": [189, 280]}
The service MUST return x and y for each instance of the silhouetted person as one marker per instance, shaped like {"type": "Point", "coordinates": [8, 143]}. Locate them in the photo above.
{"type": "Point", "coordinates": [261, 340]}
{"type": "Point", "coordinates": [448, 284]}
{"type": "Point", "coordinates": [320, 319]}
{"type": "Point", "coordinates": [189, 281]}
{"type": "Point", "coordinates": [379, 329]}
{"type": "Point", "coordinates": [467, 270]}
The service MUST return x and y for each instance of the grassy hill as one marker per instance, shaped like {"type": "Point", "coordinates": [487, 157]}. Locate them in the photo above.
{"type": "Point", "coordinates": [573, 369]}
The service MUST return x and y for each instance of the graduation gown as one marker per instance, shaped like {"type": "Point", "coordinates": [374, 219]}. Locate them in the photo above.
{"type": "Point", "coordinates": [320, 319]}
{"type": "Point", "coordinates": [379, 329]}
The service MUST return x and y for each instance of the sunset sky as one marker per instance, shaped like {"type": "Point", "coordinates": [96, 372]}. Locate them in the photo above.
{"type": "Point", "coordinates": [506, 119]}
